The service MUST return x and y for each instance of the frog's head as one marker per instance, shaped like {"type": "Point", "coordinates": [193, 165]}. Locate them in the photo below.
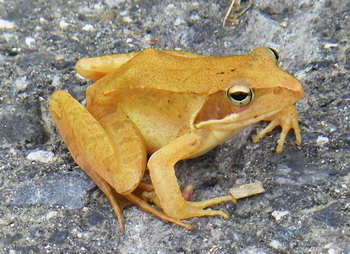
{"type": "Point", "coordinates": [258, 89]}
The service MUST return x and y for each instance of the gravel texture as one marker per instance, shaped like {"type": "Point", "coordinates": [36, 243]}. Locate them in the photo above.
{"type": "Point", "coordinates": [48, 205]}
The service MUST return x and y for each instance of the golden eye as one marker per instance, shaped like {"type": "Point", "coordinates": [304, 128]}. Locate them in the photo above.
{"type": "Point", "coordinates": [240, 95]}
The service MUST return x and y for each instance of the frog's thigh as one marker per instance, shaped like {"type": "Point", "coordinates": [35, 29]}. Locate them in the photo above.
{"type": "Point", "coordinates": [120, 164]}
{"type": "Point", "coordinates": [161, 167]}
{"type": "Point", "coordinates": [97, 67]}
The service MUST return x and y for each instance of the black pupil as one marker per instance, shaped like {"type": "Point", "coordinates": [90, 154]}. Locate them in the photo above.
{"type": "Point", "coordinates": [239, 96]}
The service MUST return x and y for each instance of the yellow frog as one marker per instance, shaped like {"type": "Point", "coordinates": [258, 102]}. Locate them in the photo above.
{"type": "Point", "coordinates": [170, 105]}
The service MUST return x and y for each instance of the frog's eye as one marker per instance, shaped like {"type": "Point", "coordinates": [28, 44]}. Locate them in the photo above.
{"type": "Point", "coordinates": [240, 95]}
{"type": "Point", "coordinates": [275, 53]}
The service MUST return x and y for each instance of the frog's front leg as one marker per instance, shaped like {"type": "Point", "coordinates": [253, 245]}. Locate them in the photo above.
{"type": "Point", "coordinates": [287, 119]}
{"type": "Point", "coordinates": [161, 167]}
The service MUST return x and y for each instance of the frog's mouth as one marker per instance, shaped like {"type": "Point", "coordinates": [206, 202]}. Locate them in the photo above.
{"type": "Point", "coordinates": [232, 121]}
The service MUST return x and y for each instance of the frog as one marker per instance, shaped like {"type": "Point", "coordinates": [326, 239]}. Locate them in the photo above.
{"type": "Point", "coordinates": [150, 109]}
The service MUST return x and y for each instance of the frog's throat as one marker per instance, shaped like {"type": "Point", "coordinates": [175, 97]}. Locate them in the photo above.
{"type": "Point", "coordinates": [230, 122]}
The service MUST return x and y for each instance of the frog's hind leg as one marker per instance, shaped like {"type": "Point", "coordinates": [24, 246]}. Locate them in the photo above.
{"type": "Point", "coordinates": [111, 145]}
{"type": "Point", "coordinates": [114, 164]}
{"type": "Point", "coordinates": [147, 208]}
{"type": "Point", "coordinates": [97, 67]}
{"type": "Point", "coordinates": [117, 201]}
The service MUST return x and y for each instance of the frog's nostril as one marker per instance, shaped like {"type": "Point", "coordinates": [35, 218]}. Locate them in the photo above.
{"type": "Point", "coordinates": [278, 90]}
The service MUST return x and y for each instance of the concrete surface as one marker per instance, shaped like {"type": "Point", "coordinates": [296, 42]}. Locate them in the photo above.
{"type": "Point", "coordinates": [47, 205]}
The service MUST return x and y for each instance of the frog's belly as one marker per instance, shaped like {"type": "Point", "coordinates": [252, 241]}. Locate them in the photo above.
{"type": "Point", "coordinates": [156, 133]}
{"type": "Point", "coordinates": [160, 116]}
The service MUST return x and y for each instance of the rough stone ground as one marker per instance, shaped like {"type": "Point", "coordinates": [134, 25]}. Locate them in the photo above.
{"type": "Point", "coordinates": [47, 205]}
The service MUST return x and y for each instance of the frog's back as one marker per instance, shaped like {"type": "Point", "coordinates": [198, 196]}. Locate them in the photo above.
{"type": "Point", "coordinates": [160, 70]}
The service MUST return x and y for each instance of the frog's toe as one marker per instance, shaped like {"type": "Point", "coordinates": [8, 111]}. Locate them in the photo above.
{"type": "Point", "coordinates": [196, 209]}
{"type": "Point", "coordinates": [187, 192]}
{"type": "Point", "coordinates": [297, 136]}
{"type": "Point", "coordinates": [286, 126]}
{"type": "Point", "coordinates": [209, 212]}
{"type": "Point", "coordinates": [214, 201]}
{"type": "Point", "coordinates": [266, 130]}
{"type": "Point", "coordinates": [281, 141]}
{"type": "Point", "coordinates": [145, 186]}
{"type": "Point", "coordinates": [189, 209]}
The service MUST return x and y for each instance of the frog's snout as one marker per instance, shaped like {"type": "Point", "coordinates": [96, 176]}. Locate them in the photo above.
{"type": "Point", "coordinates": [295, 86]}
{"type": "Point", "coordinates": [298, 88]}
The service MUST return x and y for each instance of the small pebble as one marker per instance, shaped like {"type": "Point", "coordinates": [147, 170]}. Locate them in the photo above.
{"type": "Point", "coordinates": [21, 83]}
{"type": "Point", "coordinates": [331, 45]}
{"type": "Point", "coordinates": [55, 80]}
{"type": "Point", "coordinates": [5, 24]}
{"type": "Point", "coordinates": [178, 21]}
{"type": "Point", "coordinates": [195, 17]}
{"type": "Point", "coordinates": [41, 156]}
{"type": "Point", "coordinates": [332, 251]}
{"type": "Point", "coordinates": [127, 19]}
{"type": "Point", "coordinates": [284, 24]}
{"type": "Point", "coordinates": [29, 41]}
{"type": "Point", "coordinates": [278, 215]}
{"type": "Point", "coordinates": [98, 6]}
{"type": "Point", "coordinates": [88, 27]}
{"type": "Point", "coordinates": [50, 215]}
{"type": "Point", "coordinates": [321, 140]}
{"type": "Point", "coordinates": [42, 20]}
{"type": "Point", "coordinates": [275, 244]}
{"type": "Point", "coordinates": [123, 13]}
{"type": "Point", "coordinates": [63, 24]}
